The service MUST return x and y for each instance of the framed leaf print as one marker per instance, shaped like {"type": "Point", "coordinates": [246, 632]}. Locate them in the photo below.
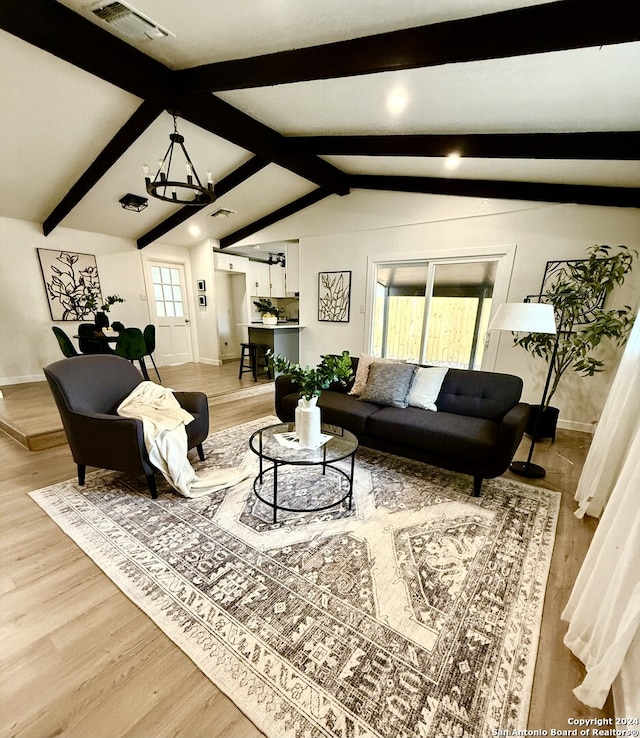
{"type": "Point", "coordinates": [334, 296]}
{"type": "Point", "coordinates": [71, 282]}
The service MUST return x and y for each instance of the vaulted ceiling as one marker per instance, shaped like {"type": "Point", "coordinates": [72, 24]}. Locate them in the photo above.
{"type": "Point", "coordinates": [294, 104]}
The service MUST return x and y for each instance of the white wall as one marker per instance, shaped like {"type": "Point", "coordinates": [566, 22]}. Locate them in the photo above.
{"type": "Point", "coordinates": [541, 233]}
{"type": "Point", "coordinates": [26, 338]}
{"type": "Point", "coordinates": [205, 317]}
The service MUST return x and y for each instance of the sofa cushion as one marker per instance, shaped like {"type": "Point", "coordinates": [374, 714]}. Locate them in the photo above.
{"type": "Point", "coordinates": [336, 408]}
{"type": "Point", "coordinates": [362, 372]}
{"type": "Point", "coordinates": [388, 384]}
{"type": "Point", "coordinates": [447, 434]}
{"type": "Point", "coordinates": [426, 387]}
{"type": "Point", "coordinates": [479, 394]}
{"type": "Point", "coordinates": [345, 411]}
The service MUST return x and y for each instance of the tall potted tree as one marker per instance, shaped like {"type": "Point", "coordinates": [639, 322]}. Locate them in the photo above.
{"type": "Point", "coordinates": [578, 296]}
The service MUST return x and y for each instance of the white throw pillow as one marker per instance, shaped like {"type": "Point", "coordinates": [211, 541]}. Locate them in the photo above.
{"type": "Point", "coordinates": [426, 387]}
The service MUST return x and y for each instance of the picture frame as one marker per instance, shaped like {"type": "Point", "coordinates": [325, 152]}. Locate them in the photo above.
{"type": "Point", "coordinates": [555, 271]}
{"type": "Point", "coordinates": [334, 296]}
{"type": "Point", "coordinates": [202, 285]}
{"type": "Point", "coordinates": [72, 284]}
{"type": "Point", "coordinates": [202, 300]}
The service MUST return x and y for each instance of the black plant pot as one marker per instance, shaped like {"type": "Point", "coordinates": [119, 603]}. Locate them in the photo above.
{"type": "Point", "coordinates": [548, 422]}
{"type": "Point", "coordinates": [102, 321]}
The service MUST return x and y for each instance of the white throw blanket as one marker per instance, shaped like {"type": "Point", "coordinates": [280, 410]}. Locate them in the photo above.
{"type": "Point", "coordinates": [165, 437]}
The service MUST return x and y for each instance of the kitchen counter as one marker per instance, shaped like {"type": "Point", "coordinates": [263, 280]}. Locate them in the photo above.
{"type": "Point", "coordinates": [282, 338]}
{"type": "Point", "coordinates": [278, 326]}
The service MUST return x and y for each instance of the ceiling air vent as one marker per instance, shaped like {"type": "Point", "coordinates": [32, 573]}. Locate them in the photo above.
{"type": "Point", "coordinates": [223, 213]}
{"type": "Point", "coordinates": [129, 22]}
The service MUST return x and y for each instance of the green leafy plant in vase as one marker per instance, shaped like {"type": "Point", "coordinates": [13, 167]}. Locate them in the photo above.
{"type": "Point", "coordinates": [267, 310]}
{"type": "Point", "coordinates": [101, 318]}
{"type": "Point", "coordinates": [311, 382]}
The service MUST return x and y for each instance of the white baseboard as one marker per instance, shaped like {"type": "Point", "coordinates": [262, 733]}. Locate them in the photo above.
{"type": "Point", "coordinates": [23, 379]}
{"type": "Point", "coordinates": [575, 426]}
{"type": "Point", "coordinates": [211, 362]}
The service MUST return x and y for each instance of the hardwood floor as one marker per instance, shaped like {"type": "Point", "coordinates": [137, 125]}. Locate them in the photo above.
{"type": "Point", "coordinates": [80, 659]}
{"type": "Point", "coordinates": [28, 412]}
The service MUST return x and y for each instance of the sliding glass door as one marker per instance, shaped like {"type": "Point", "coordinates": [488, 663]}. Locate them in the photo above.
{"type": "Point", "coordinates": [433, 312]}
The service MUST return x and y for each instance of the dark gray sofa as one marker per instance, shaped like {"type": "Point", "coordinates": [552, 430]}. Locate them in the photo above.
{"type": "Point", "coordinates": [476, 430]}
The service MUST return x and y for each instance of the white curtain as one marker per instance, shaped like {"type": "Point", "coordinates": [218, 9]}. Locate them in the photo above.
{"type": "Point", "coordinates": [604, 608]}
{"type": "Point", "coordinates": [612, 440]}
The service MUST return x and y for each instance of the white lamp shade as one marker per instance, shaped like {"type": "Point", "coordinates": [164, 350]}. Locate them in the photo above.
{"type": "Point", "coordinates": [524, 317]}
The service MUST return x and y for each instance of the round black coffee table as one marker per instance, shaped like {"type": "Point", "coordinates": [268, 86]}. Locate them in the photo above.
{"type": "Point", "coordinates": [342, 444]}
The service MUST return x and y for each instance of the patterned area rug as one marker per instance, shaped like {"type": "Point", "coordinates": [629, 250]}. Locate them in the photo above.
{"type": "Point", "coordinates": [415, 614]}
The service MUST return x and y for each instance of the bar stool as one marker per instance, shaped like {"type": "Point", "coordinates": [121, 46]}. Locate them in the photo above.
{"type": "Point", "coordinates": [253, 357]}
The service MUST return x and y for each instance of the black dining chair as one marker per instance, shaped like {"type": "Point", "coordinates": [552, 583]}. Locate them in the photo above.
{"type": "Point", "coordinates": [90, 342]}
{"type": "Point", "coordinates": [131, 346]}
{"type": "Point", "coordinates": [66, 346]}
{"type": "Point", "coordinates": [149, 334]}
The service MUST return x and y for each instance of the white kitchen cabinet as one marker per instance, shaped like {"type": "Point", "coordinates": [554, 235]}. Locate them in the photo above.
{"type": "Point", "coordinates": [230, 263]}
{"type": "Point", "coordinates": [293, 269]}
{"type": "Point", "coordinates": [277, 278]}
{"type": "Point", "coordinates": [260, 279]}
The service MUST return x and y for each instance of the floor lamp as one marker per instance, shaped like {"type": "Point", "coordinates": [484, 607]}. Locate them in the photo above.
{"type": "Point", "coordinates": [528, 317]}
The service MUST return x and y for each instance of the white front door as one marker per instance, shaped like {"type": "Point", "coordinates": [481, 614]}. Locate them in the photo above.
{"type": "Point", "coordinates": [169, 303]}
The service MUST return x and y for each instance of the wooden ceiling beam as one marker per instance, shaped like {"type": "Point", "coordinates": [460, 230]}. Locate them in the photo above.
{"type": "Point", "coordinates": [141, 119]}
{"type": "Point", "coordinates": [536, 29]}
{"type": "Point", "coordinates": [239, 175]}
{"type": "Point", "coordinates": [52, 27]}
{"type": "Point", "coordinates": [626, 197]}
{"type": "Point", "coordinates": [218, 117]}
{"type": "Point", "coordinates": [284, 212]}
{"type": "Point", "coordinates": [611, 145]}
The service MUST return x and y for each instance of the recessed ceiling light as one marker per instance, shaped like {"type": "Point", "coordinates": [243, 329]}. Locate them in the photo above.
{"type": "Point", "coordinates": [194, 230]}
{"type": "Point", "coordinates": [397, 100]}
{"type": "Point", "coordinates": [452, 161]}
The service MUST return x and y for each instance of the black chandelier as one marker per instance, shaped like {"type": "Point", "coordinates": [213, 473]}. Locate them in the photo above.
{"type": "Point", "coordinates": [189, 192]}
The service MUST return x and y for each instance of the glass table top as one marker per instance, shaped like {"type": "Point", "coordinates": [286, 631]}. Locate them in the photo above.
{"type": "Point", "coordinates": [265, 443]}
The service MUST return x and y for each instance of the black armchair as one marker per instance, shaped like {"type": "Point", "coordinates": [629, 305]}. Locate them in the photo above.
{"type": "Point", "coordinates": [87, 392]}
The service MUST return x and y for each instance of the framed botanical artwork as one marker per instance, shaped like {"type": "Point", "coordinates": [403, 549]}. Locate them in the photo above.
{"type": "Point", "coordinates": [202, 285]}
{"type": "Point", "coordinates": [202, 300]}
{"type": "Point", "coordinates": [334, 296]}
{"type": "Point", "coordinates": [71, 282]}
{"type": "Point", "coordinates": [556, 275]}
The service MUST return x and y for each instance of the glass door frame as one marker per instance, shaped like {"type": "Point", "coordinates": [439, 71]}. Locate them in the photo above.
{"type": "Point", "coordinates": [503, 255]}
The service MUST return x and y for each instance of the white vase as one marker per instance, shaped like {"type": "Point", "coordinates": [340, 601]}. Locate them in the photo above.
{"type": "Point", "coordinates": [270, 319]}
{"type": "Point", "coordinates": [307, 418]}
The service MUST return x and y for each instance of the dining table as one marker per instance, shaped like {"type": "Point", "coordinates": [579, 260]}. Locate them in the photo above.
{"type": "Point", "coordinates": [103, 337]}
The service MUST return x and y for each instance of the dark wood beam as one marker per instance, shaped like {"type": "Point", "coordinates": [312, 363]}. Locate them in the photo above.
{"type": "Point", "coordinates": [284, 212]}
{"type": "Point", "coordinates": [556, 26]}
{"type": "Point", "coordinates": [137, 124]}
{"type": "Point", "coordinates": [239, 175]}
{"type": "Point", "coordinates": [616, 145]}
{"type": "Point", "coordinates": [51, 26]}
{"type": "Point", "coordinates": [626, 197]}
{"type": "Point", "coordinates": [222, 119]}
